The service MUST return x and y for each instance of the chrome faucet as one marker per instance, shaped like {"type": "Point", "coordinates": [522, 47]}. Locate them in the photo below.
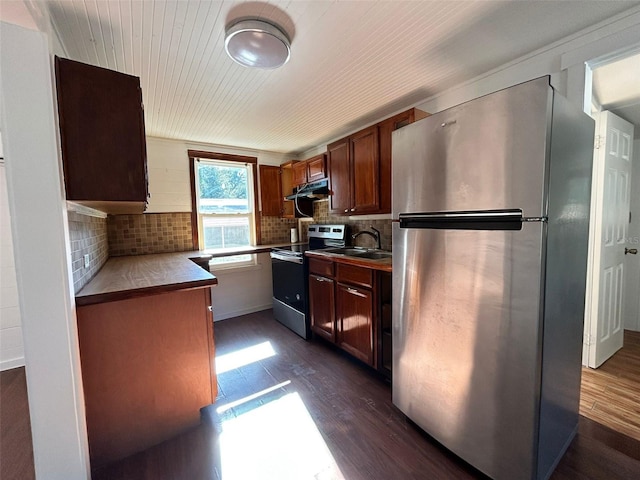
{"type": "Point", "coordinates": [375, 234]}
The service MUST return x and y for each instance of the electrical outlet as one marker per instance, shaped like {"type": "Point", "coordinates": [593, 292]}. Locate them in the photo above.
{"type": "Point", "coordinates": [86, 261]}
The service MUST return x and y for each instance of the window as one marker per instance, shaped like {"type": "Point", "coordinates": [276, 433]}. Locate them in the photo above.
{"type": "Point", "coordinates": [224, 205]}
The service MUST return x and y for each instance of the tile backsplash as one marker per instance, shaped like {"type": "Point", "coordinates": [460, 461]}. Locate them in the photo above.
{"type": "Point", "coordinates": [149, 233]}
{"type": "Point", "coordinates": [321, 215]}
{"type": "Point", "coordinates": [88, 236]}
{"type": "Point", "coordinates": [276, 230]}
{"type": "Point", "coordinates": [119, 235]}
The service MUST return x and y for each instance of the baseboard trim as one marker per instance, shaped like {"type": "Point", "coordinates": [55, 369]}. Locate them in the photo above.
{"type": "Point", "coordinates": [11, 363]}
{"type": "Point", "coordinates": [238, 313]}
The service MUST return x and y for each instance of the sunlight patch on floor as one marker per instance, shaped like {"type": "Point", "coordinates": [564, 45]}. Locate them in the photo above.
{"type": "Point", "coordinates": [248, 398]}
{"type": "Point", "coordinates": [245, 356]}
{"type": "Point", "coordinates": [278, 441]}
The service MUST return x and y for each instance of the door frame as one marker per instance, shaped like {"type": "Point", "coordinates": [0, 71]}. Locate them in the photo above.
{"type": "Point", "coordinates": [594, 239]}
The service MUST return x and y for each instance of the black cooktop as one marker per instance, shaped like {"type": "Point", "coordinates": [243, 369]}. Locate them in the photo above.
{"type": "Point", "coordinates": [294, 249]}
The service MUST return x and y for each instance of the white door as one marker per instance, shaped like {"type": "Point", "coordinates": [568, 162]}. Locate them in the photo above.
{"type": "Point", "coordinates": [604, 325]}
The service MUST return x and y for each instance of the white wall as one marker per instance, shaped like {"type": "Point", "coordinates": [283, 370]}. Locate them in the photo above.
{"type": "Point", "coordinates": [632, 280]}
{"type": "Point", "coordinates": [239, 291]}
{"type": "Point", "coordinates": [11, 346]}
{"type": "Point", "coordinates": [41, 254]}
{"type": "Point", "coordinates": [168, 166]}
{"type": "Point", "coordinates": [242, 291]}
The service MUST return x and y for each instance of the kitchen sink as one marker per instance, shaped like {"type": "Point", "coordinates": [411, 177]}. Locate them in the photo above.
{"type": "Point", "coordinates": [374, 255]}
{"type": "Point", "coordinates": [358, 252]}
{"type": "Point", "coordinates": [345, 251]}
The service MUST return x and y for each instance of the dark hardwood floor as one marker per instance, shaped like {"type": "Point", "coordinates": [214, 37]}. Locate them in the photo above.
{"type": "Point", "coordinates": [16, 452]}
{"type": "Point", "coordinates": [610, 395]}
{"type": "Point", "coordinates": [290, 409]}
{"type": "Point", "coordinates": [302, 410]}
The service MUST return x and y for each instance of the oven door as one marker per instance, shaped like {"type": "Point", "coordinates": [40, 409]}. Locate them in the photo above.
{"type": "Point", "coordinates": [289, 280]}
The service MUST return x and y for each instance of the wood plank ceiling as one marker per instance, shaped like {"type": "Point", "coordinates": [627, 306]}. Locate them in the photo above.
{"type": "Point", "coordinates": [352, 62]}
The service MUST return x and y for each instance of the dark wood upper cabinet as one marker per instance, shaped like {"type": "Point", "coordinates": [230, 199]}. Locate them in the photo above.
{"type": "Point", "coordinates": [359, 167]}
{"type": "Point", "coordinates": [299, 171]}
{"type": "Point", "coordinates": [271, 191]}
{"type": "Point", "coordinates": [310, 170]}
{"type": "Point", "coordinates": [353, 173]}
{"type": "Point", "coordinates": [275, 184]}
{"type": "Point", "coordinates": [365, 161]}
{"type": "Point", "coordinates": [103, 138]}
{"type": "Point", "coordinates": [385, 129]}
{"type": "Point", "coordinates": [338, 166]}
{"type": "Point", "coordinates": [316, 168]}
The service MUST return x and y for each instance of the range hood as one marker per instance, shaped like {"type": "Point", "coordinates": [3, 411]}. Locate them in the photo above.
{"type": "Point", "coordinates": [313, 190]}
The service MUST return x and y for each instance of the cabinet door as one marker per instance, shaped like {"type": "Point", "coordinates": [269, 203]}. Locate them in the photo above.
{"type": "Point", "coordinates": [385, 129]}
{"type": "Point", "coordinates": [316, 168]}
{"type": "Point", "coordinates": [354, 316]}
{"type": "Point", "coordinates": [299, 173]}
{"type": "Point", "coordinates": [339, 176]}
{"type": "Point", "coordinates": [147, 370]}
{"type": "Point", "coordinates": [270, 191]}
{"type": "Point", "coordinates": [102, 133]}
{"type": "Point", "coordinates": [365, 196]}
{"type": "Point", "coordinates": [322, 307]}
{"type": "Point", "coordinates": [286, 184]}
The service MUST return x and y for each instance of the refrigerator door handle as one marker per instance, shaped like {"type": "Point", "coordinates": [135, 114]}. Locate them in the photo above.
{"type": "Point", "coordinates": [508, 219]}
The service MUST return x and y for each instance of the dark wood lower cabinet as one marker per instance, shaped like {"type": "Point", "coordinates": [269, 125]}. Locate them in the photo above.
{"type": "Point", "coordinates": [147, 369]}
{"type": "Point", "coordinates": [354, 316]}
{"type": "Point", "coordinates": [322, 307]}
{"type": "Point", "coordinates": [343, 307]}
{"type": "Point", "coordinates": [383, 303]}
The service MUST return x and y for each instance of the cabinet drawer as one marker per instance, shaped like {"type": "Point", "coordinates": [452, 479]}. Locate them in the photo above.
{"type": "Point", "coordinates": [321, 267]}
{"type": "Point", "coordinates": [355, 275]}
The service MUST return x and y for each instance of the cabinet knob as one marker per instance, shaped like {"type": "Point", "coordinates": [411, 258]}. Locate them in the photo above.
{"type": "Point", "coordinates": [346, 210]}
{"type": "Point", "coordinates": [353, 209]}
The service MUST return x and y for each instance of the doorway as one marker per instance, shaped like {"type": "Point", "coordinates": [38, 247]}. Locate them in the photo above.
{"type": "Point", "coordinates": [610, 383]}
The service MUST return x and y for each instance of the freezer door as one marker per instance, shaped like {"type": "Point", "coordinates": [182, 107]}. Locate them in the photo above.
{"type": "Point", "coordinates": [466, 340]}
{"type": "Point", "coordinates": [489, 153]}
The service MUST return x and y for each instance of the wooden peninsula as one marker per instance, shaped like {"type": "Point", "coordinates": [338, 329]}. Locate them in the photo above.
{"type": "Point", "coordinates": [145, 330]}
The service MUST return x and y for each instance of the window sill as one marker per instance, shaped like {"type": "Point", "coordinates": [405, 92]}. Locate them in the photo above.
{"type": "Point", "coordinates": [231, 268]}
{"type": "Point", "coordinates": [238, 251]}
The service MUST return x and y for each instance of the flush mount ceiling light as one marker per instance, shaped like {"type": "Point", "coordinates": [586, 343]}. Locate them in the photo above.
{"type": "Point", "coordinates": [258, 44]}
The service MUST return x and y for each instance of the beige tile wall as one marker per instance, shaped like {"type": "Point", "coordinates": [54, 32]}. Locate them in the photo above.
{"type": "Point", "coordinates": [88, 235]}
{"type": "Point", "coordinates": [171, 232]}
{"type": "Point", "coordinates": [149, 233]}
{"type": "Point", "coordinates": [321, 215]}
{"type": "Point", "coordinates": [276, 230]}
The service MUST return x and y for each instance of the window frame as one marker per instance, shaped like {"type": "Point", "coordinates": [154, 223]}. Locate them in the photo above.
{"type": "Point", "coordinates": [226, 157]}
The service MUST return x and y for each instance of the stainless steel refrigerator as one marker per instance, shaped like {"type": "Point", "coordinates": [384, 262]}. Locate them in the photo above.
{"type": "Point", "coordinates": [491, 218]}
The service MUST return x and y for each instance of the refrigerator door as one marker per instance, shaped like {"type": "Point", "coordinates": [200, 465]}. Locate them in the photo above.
{"type": "Point", "coordinates": [466, 335]}
{"type": "Point", "coordinates": [490, 153]}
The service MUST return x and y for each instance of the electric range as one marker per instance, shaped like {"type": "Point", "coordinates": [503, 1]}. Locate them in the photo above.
{"type": "Point", "coordinates": [290, 274]}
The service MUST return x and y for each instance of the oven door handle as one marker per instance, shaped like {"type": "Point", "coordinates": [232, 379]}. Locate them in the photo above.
{"type": "Point", "coordinates": [287, 258]}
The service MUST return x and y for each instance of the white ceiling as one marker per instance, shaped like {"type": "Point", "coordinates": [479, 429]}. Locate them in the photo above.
{"type": "Point", "coordinates": [352, 62]}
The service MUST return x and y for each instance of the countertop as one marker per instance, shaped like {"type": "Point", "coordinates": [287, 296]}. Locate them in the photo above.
{"type": "Point", "coordinates": [245, 250]}
{"type": "Point", "coordinates": [121, 278]}
{"type": "Point", "coordinates": [383, 264]}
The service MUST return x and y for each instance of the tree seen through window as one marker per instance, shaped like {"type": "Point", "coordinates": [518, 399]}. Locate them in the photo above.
{"type": "Point", "coordinates": [224, 205]}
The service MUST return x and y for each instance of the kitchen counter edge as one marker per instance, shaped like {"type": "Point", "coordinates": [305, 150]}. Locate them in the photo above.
{"type": "Point", "coordinates": [381, 265]}
{"type": "Point", "coordinates": [122, 278]}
